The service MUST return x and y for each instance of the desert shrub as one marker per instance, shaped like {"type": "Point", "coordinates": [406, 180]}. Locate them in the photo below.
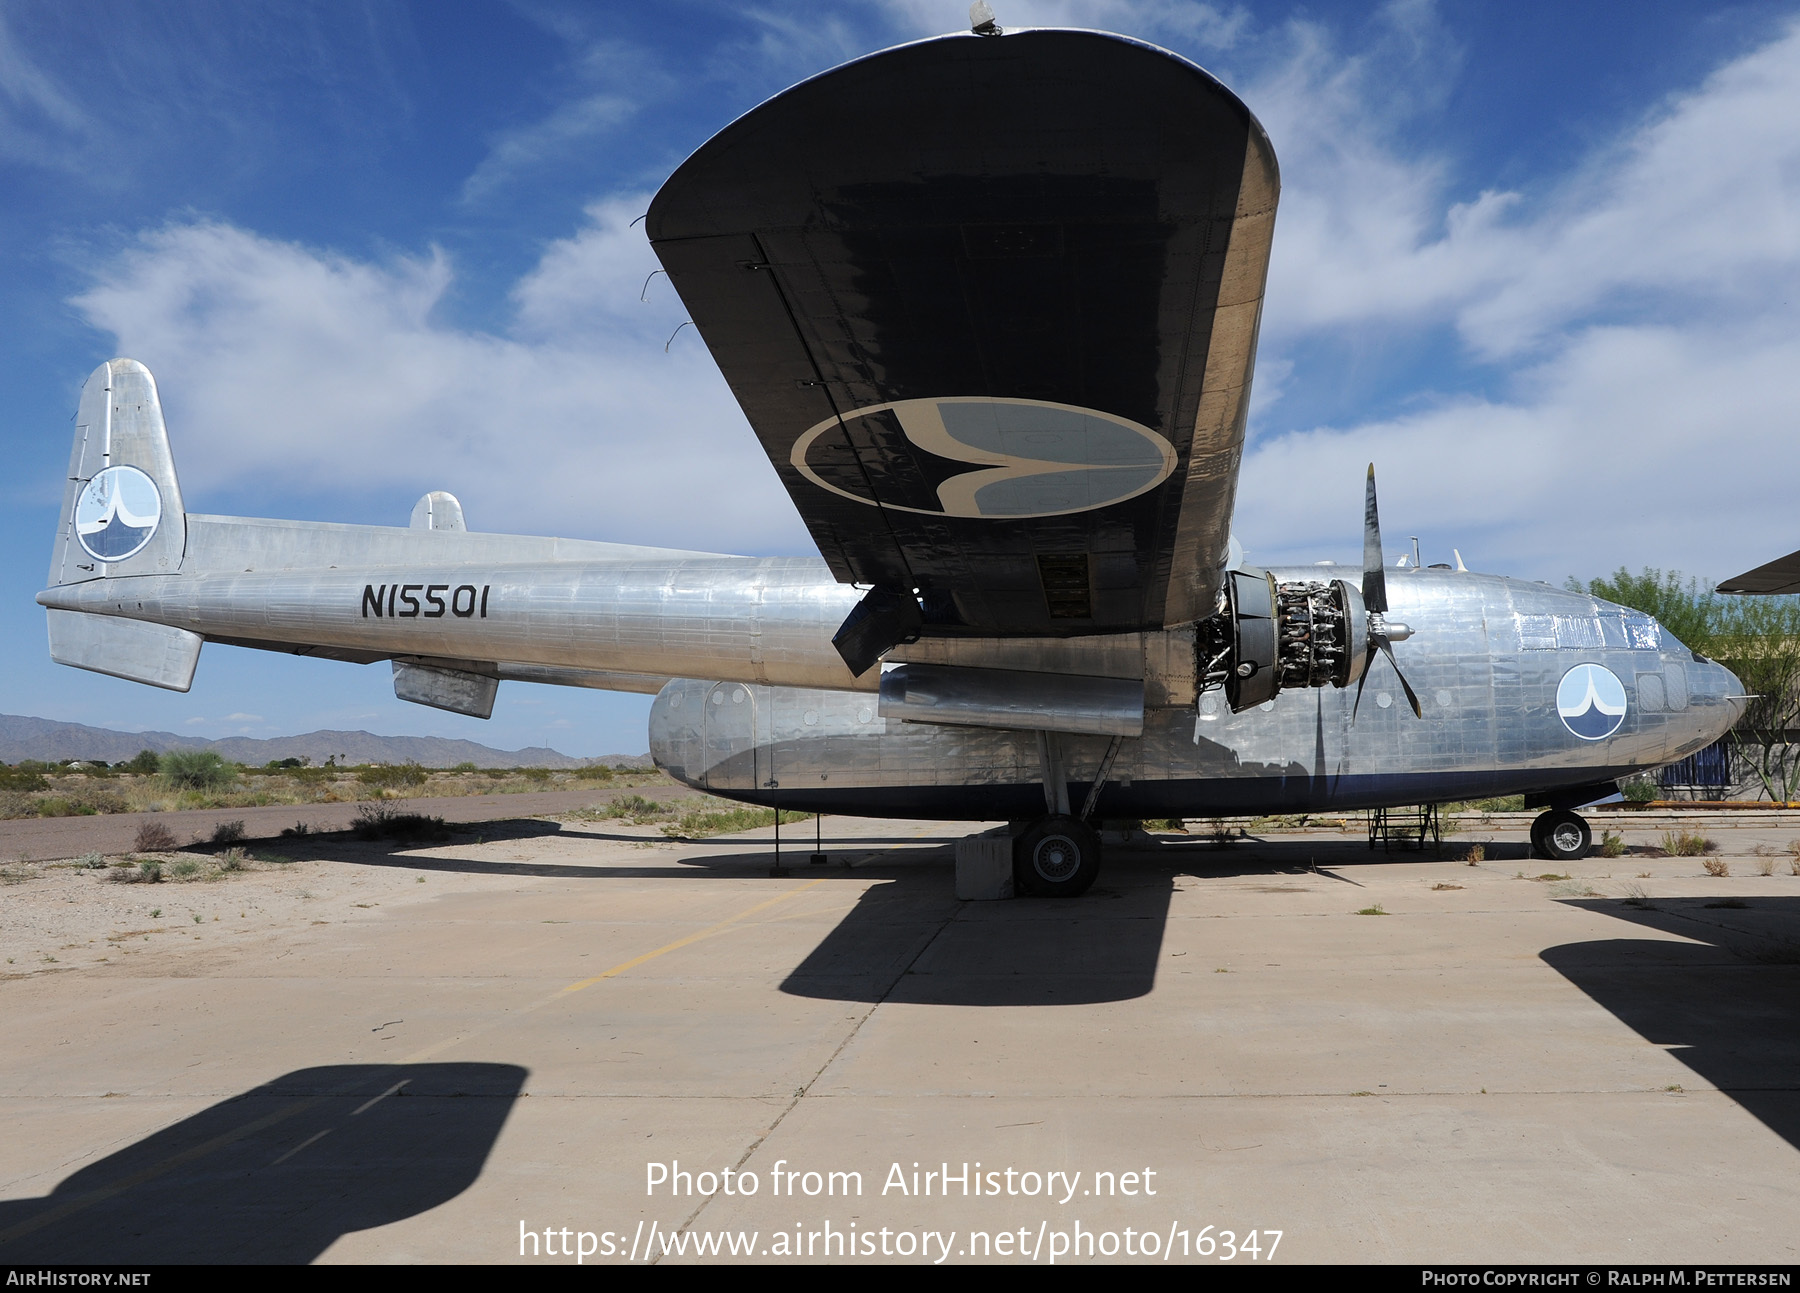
{"type": "Point", "coordinates": [14, 804]}
{"type": "Point", "coordinates": [1476, 853]}
{"type": "Point", "coordinates": [63, 806]}
{"type": "Point", "coordinates": [594, 772]}
{"type": "Point", "coordinates": [465, 767]}
{"type": "Point", "coordinates": [1612, 844]}
{"type": "Point", "coordinates": [197, 770]}
{"type": "Point", "coordinates": [22, 779]}
{"type": "Point", "coordinates": [1639, 790]}
{"type": "Point", "coordinates": [144, 763]}
{"type": "Point", "coordinates": [635, 808]}
{"type": "Point", "coordinates": [297, 829]}
{"type": "Point", "coordinates": [182, 868]}
{"type": "Point", "coordinates": [537, 776]}
{"type": "Point", "coordinates": [384, 823]}
{"type": "Point", "coordinates": [729, 819]}
{"type": "Point", "coordinates": [150, 872]}
{"type": "Point", "coordinates": [82, 801]}
{"type": "Point", "coordinates": [228, 832]}
{"type": "Point", "coordinates": [154, 837]}
{"type": "Point", "coordinates": [392, 776]}
{"type": "Point", "coordinates": [1716, 866]}
{"type": "Point", "coordinates": [233, 860]}
{"type": "Point", "coordinates": [1686, 844]}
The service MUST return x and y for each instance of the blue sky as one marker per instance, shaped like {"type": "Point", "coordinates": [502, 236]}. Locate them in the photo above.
{"type": "Point", "coordinates": [1537, 261]}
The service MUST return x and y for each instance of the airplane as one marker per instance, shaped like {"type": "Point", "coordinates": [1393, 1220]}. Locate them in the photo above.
{"type": "Point", "coordinates": [990, 302]}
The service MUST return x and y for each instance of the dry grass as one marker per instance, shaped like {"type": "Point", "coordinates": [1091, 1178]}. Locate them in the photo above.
{"type": "Point", "coordinates": [59, 793]}
{"type": "Point", "coordinates": [1716, 866]}
{"type": "Point", "coordinates": [1686, 844]}
{"type": "Point", "coordinates": [1476, 853]}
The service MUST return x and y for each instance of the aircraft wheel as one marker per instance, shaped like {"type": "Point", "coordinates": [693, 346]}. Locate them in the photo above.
{"type": "Point", "coordinates": [1059, 857]}
{"type": "Point", "coordinates": [1562, 836]}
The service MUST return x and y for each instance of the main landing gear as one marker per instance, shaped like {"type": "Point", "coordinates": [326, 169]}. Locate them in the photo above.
{"type": "Point", "coordinates": [1561, 836]}
{"type": "Point", "coordinates": [1058, 855]}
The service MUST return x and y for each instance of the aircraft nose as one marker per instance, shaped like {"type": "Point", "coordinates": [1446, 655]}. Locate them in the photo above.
{"type": "Point", "coordinates": [1733, 690]}
{"type": "Point", "coordinates": [1715, 680]}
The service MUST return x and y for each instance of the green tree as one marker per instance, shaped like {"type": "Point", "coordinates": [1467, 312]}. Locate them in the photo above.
{"type": "Point", "coordinates": [145, 762]}
{"type": "Point", "coordinates": [1757, 638]}
{"type": "Point", "coordinates": [197, 770]}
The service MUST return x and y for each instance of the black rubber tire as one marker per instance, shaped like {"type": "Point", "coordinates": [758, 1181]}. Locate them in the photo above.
{"type": "Point", "coordinates": [1058, 857]}
{"type": "Point", "coordinates": [1562, 836]}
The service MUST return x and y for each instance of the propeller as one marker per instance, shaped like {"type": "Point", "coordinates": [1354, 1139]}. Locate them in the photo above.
{"type": "Point", "coordinates": [1374, 592]}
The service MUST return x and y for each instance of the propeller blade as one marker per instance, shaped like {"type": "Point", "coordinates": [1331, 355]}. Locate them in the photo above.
{"type": "Point", "coordinates": [1374, 585]}
{"type": "Point", "coordinates": [1405, 686]}
{"type": "Point", "coordinates": [1362, 681]}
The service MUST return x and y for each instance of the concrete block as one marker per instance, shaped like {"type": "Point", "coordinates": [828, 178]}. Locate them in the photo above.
{"type": "Point", "coordinates": [984, 865]}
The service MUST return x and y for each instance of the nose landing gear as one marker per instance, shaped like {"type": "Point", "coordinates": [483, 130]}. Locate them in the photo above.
{"type": "Point", "coordinates": [1561, 836]}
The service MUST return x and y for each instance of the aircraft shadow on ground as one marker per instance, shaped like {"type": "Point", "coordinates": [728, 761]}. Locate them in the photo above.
{"type": "Point", "coordinates": [910, 941]}
{"type": "Point", "coordinates": [1726, 1005]}
{"type": "Point", "coordinates": [277, 1174]}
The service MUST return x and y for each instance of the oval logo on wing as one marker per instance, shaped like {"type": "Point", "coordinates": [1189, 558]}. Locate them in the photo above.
{"type": "Point", "coordinates": [117, 513]}
{"type": "Point", "coordinates": [1591, 701]}
{"type": "Point", "coordinates": [973, 456]}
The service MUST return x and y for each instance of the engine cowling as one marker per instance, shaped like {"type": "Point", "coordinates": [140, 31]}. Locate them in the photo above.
{"type": "Point", "coordinates": [1271, 636]}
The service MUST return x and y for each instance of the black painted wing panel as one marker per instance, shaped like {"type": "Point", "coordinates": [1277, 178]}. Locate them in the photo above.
{"type": "Point", "coordinates": [990, 305]}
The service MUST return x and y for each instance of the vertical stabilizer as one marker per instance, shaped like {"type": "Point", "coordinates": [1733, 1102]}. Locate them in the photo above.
{"type": "Point", "coordinates": [122, 511]}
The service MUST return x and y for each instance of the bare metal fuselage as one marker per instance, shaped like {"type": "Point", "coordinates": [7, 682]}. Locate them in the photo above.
{"type": "Point", "coordinates": [780, 720]}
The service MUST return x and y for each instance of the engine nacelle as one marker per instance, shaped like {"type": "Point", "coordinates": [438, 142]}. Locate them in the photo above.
{"type": "Point", "coordinates": [1271, 635]}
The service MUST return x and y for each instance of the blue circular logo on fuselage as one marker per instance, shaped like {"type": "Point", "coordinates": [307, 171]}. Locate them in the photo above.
{"type": "Point", "coordinates": [117, 513]}
{"type": "Point", "coordinates": [1590, 700]}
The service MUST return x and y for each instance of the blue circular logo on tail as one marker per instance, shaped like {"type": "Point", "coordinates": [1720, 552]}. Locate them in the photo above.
{"type": "Point", "coordinates": [1591, 701]}
{"type": "Point", "coordinates": [117, 514]}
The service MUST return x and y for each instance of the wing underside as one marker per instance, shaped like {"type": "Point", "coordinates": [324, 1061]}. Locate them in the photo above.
{"type": "Point", "coordinates": [991, 307]}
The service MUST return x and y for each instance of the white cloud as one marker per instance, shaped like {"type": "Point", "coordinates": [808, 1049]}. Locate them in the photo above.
{"type": "Point", "coordinates": [522, 151]}
{"type": "Point", "coordinates": [1702, 200]}
{"type": "Point", "coordinates": [1180, 22]}
{"type": "Point", "coordinates": [1632, 328]}
{"type": "Point", "coordinates": [281, 363]}
{"type": "Point", "coordinates": [40, 122]}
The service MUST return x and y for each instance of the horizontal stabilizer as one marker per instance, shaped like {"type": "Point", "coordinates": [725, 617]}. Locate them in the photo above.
{"type": "Point", "coordinates": [158, 654]}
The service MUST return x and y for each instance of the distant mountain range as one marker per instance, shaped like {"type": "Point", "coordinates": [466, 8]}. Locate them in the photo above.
{"type": "Point", "coordinates": [41, 738]}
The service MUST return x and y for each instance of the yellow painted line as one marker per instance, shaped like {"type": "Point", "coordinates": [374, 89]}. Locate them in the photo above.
{"type": "Point", "coordinates": [679, 943]}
